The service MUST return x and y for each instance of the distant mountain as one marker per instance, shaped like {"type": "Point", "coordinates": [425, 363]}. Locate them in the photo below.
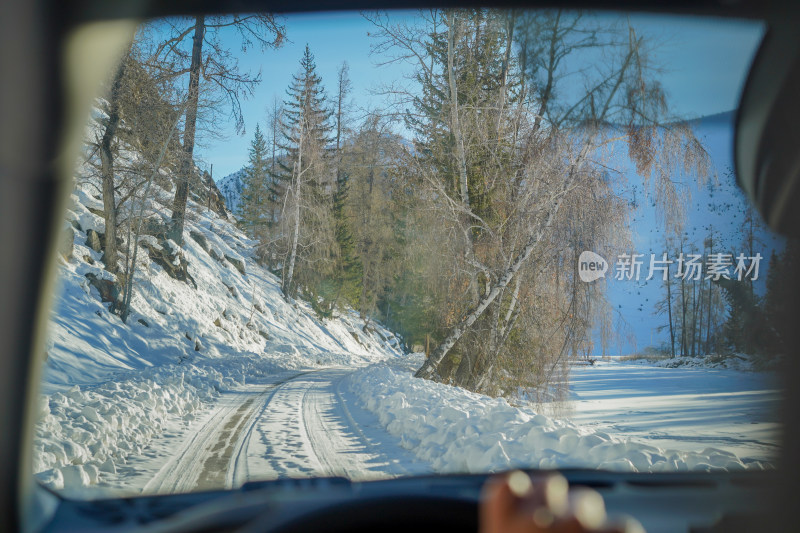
{"type": "Point", "coordinates": [231, 188]}
{"type": "Point", "coordinates": [725, 119]}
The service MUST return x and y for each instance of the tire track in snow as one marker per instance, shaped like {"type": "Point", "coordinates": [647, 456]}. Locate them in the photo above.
{"type": "Point", "coordinates": [335, 445]}
{"type": "Point", "coordinates": [307, 430]}
{"type": "Point", "coordinates": [211, 458]}
{"type": "Point", "coordinates": [297, 427]}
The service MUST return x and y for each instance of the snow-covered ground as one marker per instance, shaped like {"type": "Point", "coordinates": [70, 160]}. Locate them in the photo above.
{"type": "Point", "coordinates": [231, 188]}
{"type": "Point", "coordinates": [378, 422]}
{"type": "Point", "coordinates": [457, 431]}
{"type": "Point", "coordinates": [297, 424]}
{"type": "Point", "coordinates": [742, 362]}
{"type": "Point", "coordinates": [684, 408]}
{"type": "Point", "coordinates": [114, 392]}
{"type": "Point", "coordinates": [218, 380]}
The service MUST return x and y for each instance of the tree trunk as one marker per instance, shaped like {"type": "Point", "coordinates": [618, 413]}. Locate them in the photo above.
{"type": "Point", "coordinates": [187, 161]}
{"type": "Point", "coordinates": [287, 281]}
{"type": "Point", "coordinates": [133, 236]}
{"type": "Point", "coordinates": [466, 373]}
{"type": "Point", "coordinates": [340, 96]}
{"type": "Point", "coordinates": [683, 309]}
{"type": "Point", "coordinates": [275, 188]}
{"type": "Point", "coordinates": [107, 173]}
{"type": "Point", "coordinates": [694, 319]}
{"type": "Point", "coordinates": [455, 122]}
{"type": "Point", "coordinates": [700, 350]}
{"type": "Point", "coordinates": [710, 288]}
{"type": "Point", "coordinates": [428, 368]}
{"type": "Point", "coordinates": [669, 314]}
{"type": "Point", "coordinates": [510, 24]}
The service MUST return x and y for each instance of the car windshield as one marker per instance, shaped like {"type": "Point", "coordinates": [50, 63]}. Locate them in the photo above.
{"type": "Point", "coordinates": [386, 244]}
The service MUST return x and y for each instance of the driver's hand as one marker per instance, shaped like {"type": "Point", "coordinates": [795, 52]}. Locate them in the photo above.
{"type": "Point", "coordinates": [517, 503]}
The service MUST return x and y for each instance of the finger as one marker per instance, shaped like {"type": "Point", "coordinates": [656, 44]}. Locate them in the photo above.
{"type": "Point", "coordinates": [512, 502]}
{"type": "Point", "coordinates": [547, 500]}
{"type": "Point", "coordinates": [520, 484]}
{"type": "Point", "coordinates": [587, 507]}
{"type": "Point", "coordinates": [555, 491]}
{"type": "Point", "coordinates": [540, 491]}
{"type": "Point", "coordinates": [498, 504]}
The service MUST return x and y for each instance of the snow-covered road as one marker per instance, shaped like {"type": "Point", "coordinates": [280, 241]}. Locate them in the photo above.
{"type": "Point", "coordinates": [309, 427]}
{"type": "Point", "coordinates": [379, 422]}
{"type": "Point", "coordinates": [300, 425]}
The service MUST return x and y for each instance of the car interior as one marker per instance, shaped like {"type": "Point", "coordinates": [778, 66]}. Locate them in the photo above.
{"type": "Point", "coordinates": [54, 57]}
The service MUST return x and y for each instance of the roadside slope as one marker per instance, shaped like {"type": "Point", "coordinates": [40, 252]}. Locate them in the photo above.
{"type": "Point", "coordinates": [209, 319]}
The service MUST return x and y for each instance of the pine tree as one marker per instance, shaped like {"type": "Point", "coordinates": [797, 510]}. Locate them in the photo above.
{"type": "Point", "coordinates": [277, 189]}
{"type": "Point", "coordinates": [255, 192]}
{"type": "Point", "coordinates": [477, 57]}
{"type": "Point", "coordinates": [350, 270]}
{"type": "Point", "coordinates": [306, 132]}
{"type": "Point", "coordinates": [305, 123]}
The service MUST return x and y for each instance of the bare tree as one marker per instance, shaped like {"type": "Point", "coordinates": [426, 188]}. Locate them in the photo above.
{"type": "Point", "coordinates": [518, 192]}
{"type": "Point", "coordinates": [210, 68]}
{"type": "Point", "coordinates": [107, 170]}
{"type": "Point", "coordinates": [135, 222]}
{"type": "Point", "coordinates": [137, 104]}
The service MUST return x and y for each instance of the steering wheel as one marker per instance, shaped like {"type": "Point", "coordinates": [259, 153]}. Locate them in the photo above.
{"type": "Point", "coordinates": [402, 514]}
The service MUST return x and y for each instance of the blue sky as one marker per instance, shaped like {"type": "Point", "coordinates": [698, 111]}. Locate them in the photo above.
{"type": "Point", "coordinates": [333, 38]}
{"type": "Point", "coordinates": [705, 62]}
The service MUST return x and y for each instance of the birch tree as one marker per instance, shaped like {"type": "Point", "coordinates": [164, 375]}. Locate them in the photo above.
{"type": "Point", "coordinates": [510, 163]}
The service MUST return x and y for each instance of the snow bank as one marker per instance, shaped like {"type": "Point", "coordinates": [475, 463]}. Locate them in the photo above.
{"type": "Point", "coordinates": [458, 431]}
{"type": "Point", "coordinates": [741, 362]}
{"type": "Point", "coordinates": [83, 432]}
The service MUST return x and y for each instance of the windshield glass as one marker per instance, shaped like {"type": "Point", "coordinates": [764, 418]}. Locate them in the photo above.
{"type": "Point", "coordinates": [378, 244]}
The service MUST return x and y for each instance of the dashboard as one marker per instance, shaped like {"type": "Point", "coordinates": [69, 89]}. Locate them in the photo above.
{"type": "Point", "coordinates": [661, 502]}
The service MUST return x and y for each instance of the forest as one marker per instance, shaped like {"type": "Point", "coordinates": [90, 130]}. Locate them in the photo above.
{"type": "Point", "coordinates": [455, 214]}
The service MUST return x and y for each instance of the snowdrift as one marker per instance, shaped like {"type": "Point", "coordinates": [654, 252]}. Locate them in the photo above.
{"type": "Point", "coordinates": [459, 431]}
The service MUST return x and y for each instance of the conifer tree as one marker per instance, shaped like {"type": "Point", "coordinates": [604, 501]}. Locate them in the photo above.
{"type": "Point", "coordinates": [350, 270]}
{"type": "Point", "coordinates": [306, 129]}
{"type": "Point", "coordinates": [255, 191]}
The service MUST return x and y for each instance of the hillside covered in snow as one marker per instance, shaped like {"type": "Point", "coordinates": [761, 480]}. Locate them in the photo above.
{"type": "Point", "coordinates": [210, 322]}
